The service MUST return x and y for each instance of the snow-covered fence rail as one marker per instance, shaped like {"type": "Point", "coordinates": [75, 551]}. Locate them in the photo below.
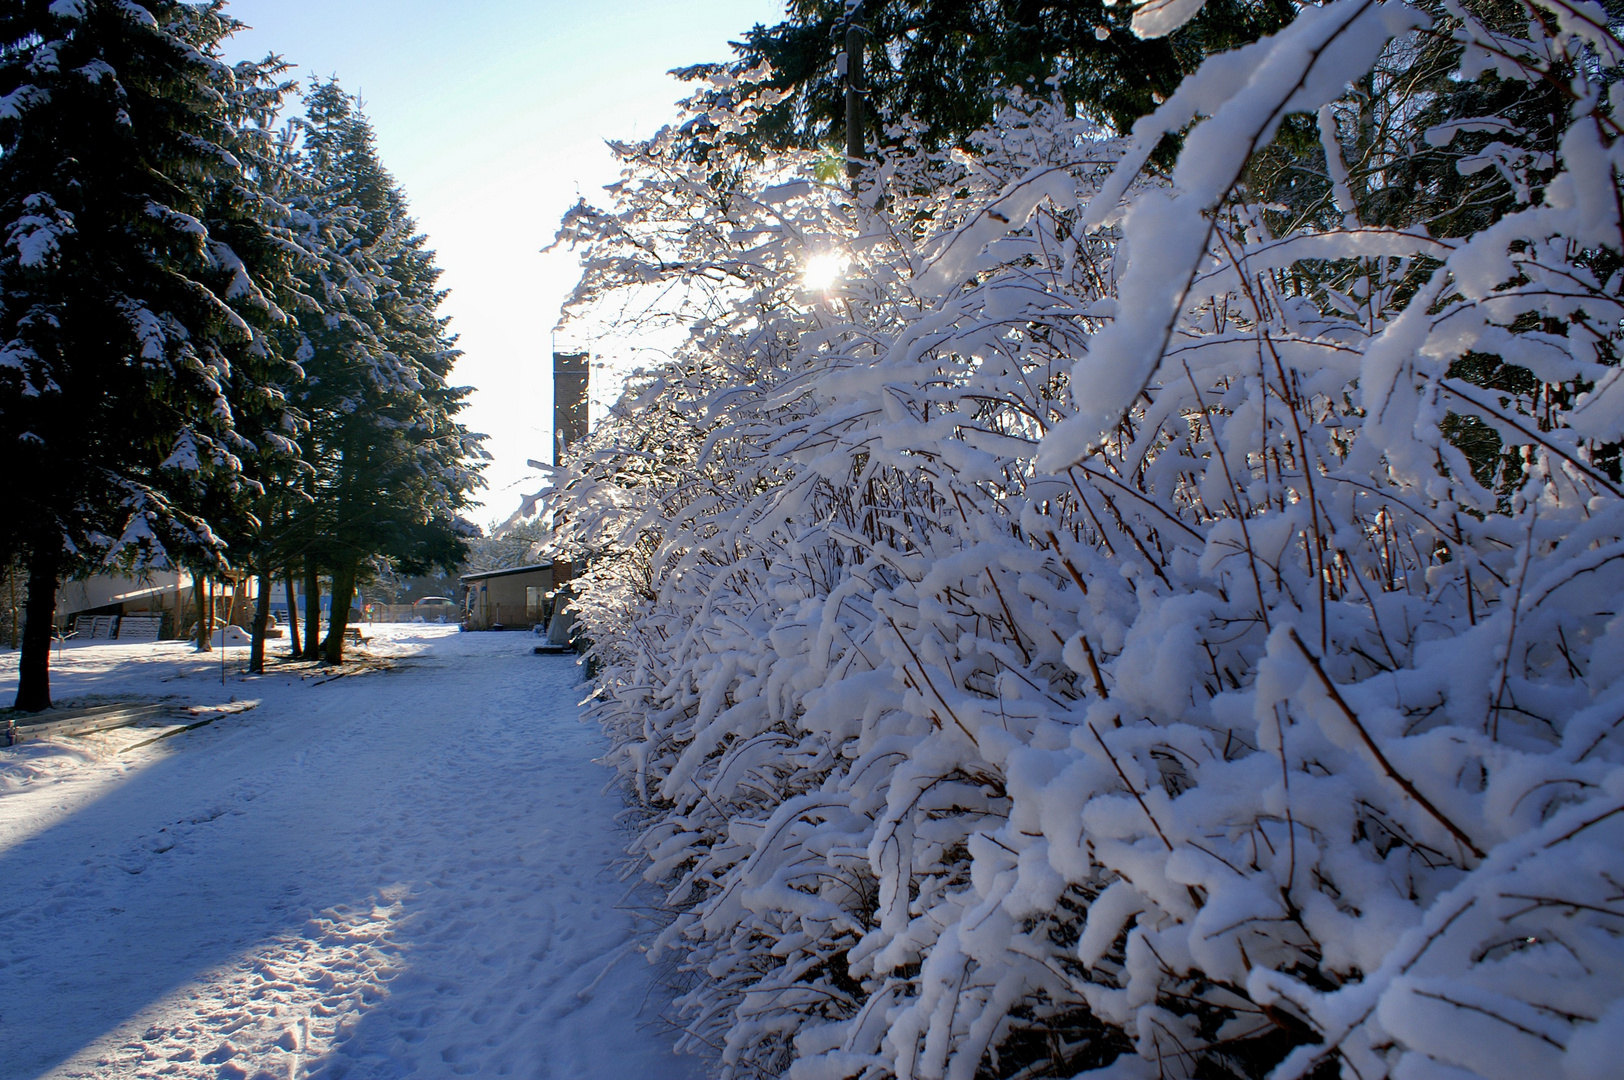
{"type": "Point", "coordinates": [1162, 625]}
{"type": "Point", "coordinates": [89, 721]}
{"type": "Point", "coordinates": [86, 721]}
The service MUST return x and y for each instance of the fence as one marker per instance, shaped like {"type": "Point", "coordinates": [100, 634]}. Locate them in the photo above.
{"type": "Point", "coordinates": [388, 613]}
{"type": "Point", "coordinates": [491, 614]}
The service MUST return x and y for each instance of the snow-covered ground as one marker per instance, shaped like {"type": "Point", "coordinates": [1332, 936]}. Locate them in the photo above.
{"type": "Point", "coordinates": [402, 873]}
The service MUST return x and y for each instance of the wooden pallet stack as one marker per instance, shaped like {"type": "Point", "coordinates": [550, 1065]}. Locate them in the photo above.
{"type": "Point", "coordinates": [140, 627]}
{"type": "Point", "coordinates": [95, 626]}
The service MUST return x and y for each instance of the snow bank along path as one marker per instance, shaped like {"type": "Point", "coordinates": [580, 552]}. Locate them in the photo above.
{"type": "Point", "coordinates": [399, 874]}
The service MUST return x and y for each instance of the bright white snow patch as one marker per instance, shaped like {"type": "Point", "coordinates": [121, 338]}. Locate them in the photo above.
{"type": "Point", "coordinates": [387, 874]}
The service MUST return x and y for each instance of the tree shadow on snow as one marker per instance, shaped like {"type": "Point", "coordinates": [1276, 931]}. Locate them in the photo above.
{"type": "Point", "coordinates": [120, 906]}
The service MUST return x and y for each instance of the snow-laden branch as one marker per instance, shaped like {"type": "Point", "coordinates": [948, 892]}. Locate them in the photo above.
{"type": "Point", "coordinates": [1138, 626]}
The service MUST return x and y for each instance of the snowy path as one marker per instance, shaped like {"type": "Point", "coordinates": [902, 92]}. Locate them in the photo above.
{"type": "Point", "coordinates": [403, 874]}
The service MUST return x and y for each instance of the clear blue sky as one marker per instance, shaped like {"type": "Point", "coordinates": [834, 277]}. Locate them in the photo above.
{"type": "Point", "coordinates": [492, 115]}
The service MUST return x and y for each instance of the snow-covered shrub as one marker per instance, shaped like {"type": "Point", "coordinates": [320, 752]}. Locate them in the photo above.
{"type": "Point", "coordinates": [1139, 626]}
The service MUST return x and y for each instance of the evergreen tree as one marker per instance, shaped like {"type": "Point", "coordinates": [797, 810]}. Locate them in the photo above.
{"type": "Point", "coordinates": [946, 63]}
{"type": "Point", "coordinates": [272, 467]}
{"type": "Point", "coordinates": [388, 464]}
{"type": "Point", "coordinates": [137, 283]}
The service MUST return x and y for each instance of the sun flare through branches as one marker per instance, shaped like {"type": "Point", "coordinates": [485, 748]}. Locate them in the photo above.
{"type": "Point", "coordinates": [825, 270]}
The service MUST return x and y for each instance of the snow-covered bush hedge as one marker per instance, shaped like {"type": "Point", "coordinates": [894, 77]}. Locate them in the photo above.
{"type": "Point", "coordinates": [1134, 624]}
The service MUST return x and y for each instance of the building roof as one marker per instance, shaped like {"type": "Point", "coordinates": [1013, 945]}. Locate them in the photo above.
{"type": "Point", "coordinates": [488, 574]}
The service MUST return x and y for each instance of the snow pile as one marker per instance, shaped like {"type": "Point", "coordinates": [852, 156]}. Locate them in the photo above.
{"type": "Point", "coordinates": [1113, 631]}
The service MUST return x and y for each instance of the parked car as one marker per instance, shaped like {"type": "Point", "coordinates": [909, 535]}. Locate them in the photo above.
{"type": "Point", "coordinates": [435, 609]}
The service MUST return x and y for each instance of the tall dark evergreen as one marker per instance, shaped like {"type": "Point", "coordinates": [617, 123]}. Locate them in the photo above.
{"type": "Point", "coordinates": [388, 465]}
{"type": "Point", "coordinates": [946, 62]}
{"type": "Point", "coordinates": [138, 282]}
{"type": "Point", "coordinates": [265, 381]}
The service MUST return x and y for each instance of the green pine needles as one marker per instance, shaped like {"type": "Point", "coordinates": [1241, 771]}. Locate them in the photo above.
{"type": "Point", "coordinates": [178, 275]}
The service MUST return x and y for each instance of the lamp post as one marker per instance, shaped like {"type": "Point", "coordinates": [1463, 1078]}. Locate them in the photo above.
{"type": "Point", "coordinates": [855, 86]}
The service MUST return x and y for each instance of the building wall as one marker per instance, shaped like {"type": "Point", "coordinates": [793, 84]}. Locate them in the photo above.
{"type": "Point", "coordinates": [158, 592]}
{"type": "Point", "coordinates": [113, 590]}
{"type": "Point", "coordinates": [507, 600]}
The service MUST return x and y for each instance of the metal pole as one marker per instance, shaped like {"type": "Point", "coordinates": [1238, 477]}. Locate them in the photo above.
{"type": "Point", "coordinates": [855, 86]}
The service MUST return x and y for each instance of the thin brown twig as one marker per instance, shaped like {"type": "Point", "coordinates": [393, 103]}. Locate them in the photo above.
{"type": "Point", "coordinates": [1381, 759]}
{"type": "Point", "coordinates": [1088, 650]}
{"type": "Point", "coordinates": [926, 676]}
{"type": "Point", "coordinates": [1009, 616]}
{"type": "Point", "coordinates": [1140, 799]}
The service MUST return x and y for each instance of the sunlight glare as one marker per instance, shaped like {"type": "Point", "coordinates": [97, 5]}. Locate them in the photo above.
{"type": "Point", "coordinates": [824, 270]}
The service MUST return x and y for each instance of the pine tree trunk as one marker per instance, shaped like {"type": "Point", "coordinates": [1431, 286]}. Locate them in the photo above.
{"type": "Point", "coordinates": [205, 632]}
{"type": "Point", "coordinates": [338, 621]}
{"type": "Point", "coordinates": [14, 621]}
{"type": "Point", "coordinates": [262, 617]}
{"type": "Point", "coordinates": [39, 626]}
{"type": "Point", "coordinates": [293, 613]}
{"type": "Point", "coordinates": [312, 598]}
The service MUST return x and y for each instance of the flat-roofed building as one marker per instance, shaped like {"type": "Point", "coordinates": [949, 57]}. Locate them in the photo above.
{"type": "Point", "coordinates": [513, 598]}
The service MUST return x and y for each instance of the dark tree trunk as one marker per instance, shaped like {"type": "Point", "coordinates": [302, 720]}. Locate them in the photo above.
{"type": "Point", "coordinates": [262, 617]}
{"type": "Point", "coordinates": [39, 627]}
{"type": "Point", "coordinates": [205, 632]}
{"type": "Point", "coordinates": [338, 620]}
{"type": "Point", "coordinates": [312, 598]}
{"type": "Point", "coordinates": [293, 614]}
{"type": "Point", "coordinates": [14, 620]}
